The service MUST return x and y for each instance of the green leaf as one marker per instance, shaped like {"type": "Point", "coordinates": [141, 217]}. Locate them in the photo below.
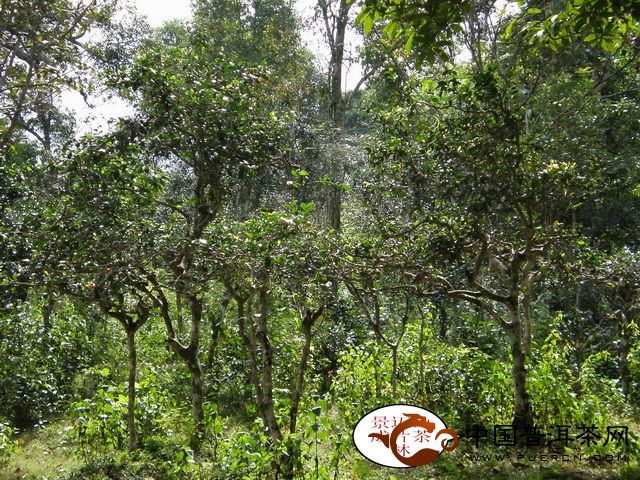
{"type": "Point", "coordinates": [509, 30]}
{"type": "Point", "coordinates": [408, 45]}
{"type": "Point", "coordinates": [366, 19]}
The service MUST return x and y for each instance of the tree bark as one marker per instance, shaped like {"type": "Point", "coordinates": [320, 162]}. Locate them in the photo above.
{"type": "Point", "coordinates": [249, 344]}
{"type": "Point", "coordinates": [293, 450]}
{"type": "Point", "coordinates": [47, 312]}
{"type": "Point", "coordinates": [335, 30]}
{"type": "Point", "coordinates": [337, 57]}
{"type": "Point", "coordinates": [190, 355]}
{"type": "Point", "coordinates": [523, 412]}
{"type": "Point", "coordinates": [131, 405]}
{"type": "Point", "coordinates": [258, 347]}
{"type": "Point", "coordinates": [307, 324]}
{"type": "Point", "coordinates": [262, 337]}
{"type": "Point", "coordinates": [131, 323]}
{"type": "Point", "coordinates": [299, 386]}
{"type": "Point", "coordinates": [526, 316]}
{"type": "Point", "coordinates": [443, 319]}
{"type": "Point", "coordinates": [216, 329]}
{"type": "Point", "coordinates": [394, 372]}
{"type": "Point", "coordinates": [179, 313]}
{"type": "Point", "coordinates": [197, 397]}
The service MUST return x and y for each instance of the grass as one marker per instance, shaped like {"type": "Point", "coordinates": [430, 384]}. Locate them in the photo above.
{"type": "Point", "coordinates": [43, 453]}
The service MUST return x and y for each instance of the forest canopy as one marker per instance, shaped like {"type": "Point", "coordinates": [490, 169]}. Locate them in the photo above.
{"type": "Point", "coordinates": [255, 254]}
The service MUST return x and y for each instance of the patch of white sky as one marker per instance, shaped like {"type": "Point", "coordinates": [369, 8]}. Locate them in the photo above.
{"type": "Point", "coordinates": [100, 110]}
{"type": "Point", "coordinates": [96, 113]}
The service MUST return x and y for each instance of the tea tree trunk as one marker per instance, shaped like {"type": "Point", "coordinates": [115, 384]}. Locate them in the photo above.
{"type": "Point", "coordinates": [523, 413]}
{"type": "Point", "coordinates": [131, 405]}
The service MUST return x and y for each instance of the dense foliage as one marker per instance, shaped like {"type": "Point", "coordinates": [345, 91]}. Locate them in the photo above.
{"type": "Point", "coordinates": [226, 279]}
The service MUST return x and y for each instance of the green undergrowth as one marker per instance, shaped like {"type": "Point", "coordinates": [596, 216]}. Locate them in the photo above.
{"type": "Point", "coordinates": [48, 453]}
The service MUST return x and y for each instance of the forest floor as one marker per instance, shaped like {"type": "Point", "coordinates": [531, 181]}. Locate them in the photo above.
{"type": "Point", "coordinates": [43, 453]}
{"type": "Point", "coordinates": [47, 453]}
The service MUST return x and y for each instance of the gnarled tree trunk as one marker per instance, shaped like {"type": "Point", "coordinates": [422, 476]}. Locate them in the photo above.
{"type": "Point", "coordinates": [131, 404]}
{"type": "Point", "coordinates": [131, 323]}
{"type": "Point", "coordinates": [523, 412]}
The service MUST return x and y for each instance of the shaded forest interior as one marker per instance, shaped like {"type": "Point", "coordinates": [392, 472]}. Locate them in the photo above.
{"type": "Point", "coordinates": [255, 254]}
